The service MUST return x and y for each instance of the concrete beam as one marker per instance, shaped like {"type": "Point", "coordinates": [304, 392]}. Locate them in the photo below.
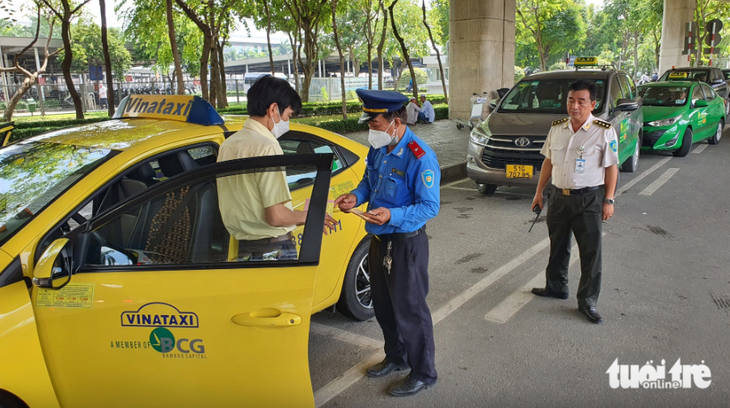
{"type": "Point", "coordinates": [481, 50]}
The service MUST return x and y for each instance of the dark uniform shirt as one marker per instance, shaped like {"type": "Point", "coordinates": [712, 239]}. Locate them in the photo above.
{"type": "Point", "coordinates": [403, 183]}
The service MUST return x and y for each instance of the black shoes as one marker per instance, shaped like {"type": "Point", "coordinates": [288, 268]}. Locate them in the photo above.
{"type": "Point", "coordinates": [591, 313]}
{"type": "Point", "coordinates": [407, 386]}
{"type": "Point", "coordinates": [548, 293]}
{"type": "Point", "coordinates": [384, 368]}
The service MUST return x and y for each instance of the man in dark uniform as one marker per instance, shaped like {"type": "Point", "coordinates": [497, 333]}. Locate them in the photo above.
{"type": "Point", "coordinates": [581, 159]}
{"type": "Point", "coordinates": [401, 187]}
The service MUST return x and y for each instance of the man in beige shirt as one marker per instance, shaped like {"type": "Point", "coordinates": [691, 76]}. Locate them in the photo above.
{"type": "Point", "coordinates": [256, 207]}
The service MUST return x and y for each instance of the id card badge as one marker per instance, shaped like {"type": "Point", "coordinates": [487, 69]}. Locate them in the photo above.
{"type": "Point", "coordinates": [580, 166]}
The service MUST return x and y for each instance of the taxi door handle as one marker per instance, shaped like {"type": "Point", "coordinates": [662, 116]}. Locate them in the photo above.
{"type": "Point", "coordinates": [282, 320]}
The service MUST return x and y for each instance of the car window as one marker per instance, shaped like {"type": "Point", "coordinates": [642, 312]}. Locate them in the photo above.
{"type": "Point", "coordinates": [306, 146]}
{"type": "Point", "coordinates": [544, 96]}
{"type": "Point", "coordinates": [135, 180]}
{"type": "Point", "coordinates": [615, 91]}
{"type": "Point", "coordinates": [625, 87]}
{"type": "Point", "coordinates": [188, 225]}
{"type": "Point", "coordinates": [664, 95]}
{"type": "Point", "coordinates": [727, 74]}
{"type": "Point", "coordinates": [697, 94]}
{"type": "Point", "coordinates": [709, 93]}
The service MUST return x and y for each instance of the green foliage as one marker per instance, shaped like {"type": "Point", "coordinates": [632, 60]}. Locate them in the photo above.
{"type": "Point", "coordinates": [325, 95]}
{"type": "Point", "coordinates": [351, 95]}
{"type": "Point", "coordinates": [438, 19]}
{"type": "Point", "coordinates": [405, 79]}
{"type": "Point", "coordinates": [519, 73]}
{"type": "Point", "coordinates": [88, 51]}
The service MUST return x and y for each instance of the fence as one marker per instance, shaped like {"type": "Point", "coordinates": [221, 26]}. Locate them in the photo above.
{"type": "Point", "coordinates": [50, 98]}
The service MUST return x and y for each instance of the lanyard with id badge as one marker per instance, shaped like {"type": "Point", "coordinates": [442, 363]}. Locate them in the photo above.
{"type": "Point", "coordinates": [580, 163]}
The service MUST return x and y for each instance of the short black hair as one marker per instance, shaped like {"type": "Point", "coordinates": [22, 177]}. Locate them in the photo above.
{"type": "Point", "coordinates": [401, 114]}
{"type": "Point", "coordinates": [583, 85]}
{"type": "Point", "coordinates": [267, 90]}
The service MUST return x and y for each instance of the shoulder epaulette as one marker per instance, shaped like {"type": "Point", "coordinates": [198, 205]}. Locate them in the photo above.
{"type": "Point", "coordinates": [558, 122]}
{"type": "Point", "coordinates": [416, 149]}
{"type": "Point", "coordinates": [602, 124]}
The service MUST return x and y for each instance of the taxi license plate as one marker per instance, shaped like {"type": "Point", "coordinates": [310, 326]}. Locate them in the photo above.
{"type": "Point", "coordinates": [519, 171]}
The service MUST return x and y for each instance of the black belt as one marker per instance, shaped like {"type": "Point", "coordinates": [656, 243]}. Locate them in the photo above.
{"type": "Point", "coordinates": [579, 191]}
{"type": "Point", "coordinates": [399, 237]}
{"type": "Point", "coordinates": [268, 241]}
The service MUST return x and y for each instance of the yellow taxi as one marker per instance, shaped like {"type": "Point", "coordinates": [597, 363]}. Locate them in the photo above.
{"type": "Point", "coordinates": [121, 285]}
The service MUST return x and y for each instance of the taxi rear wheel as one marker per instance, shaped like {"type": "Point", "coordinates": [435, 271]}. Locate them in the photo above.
{"type": "Point", "coordinates": [356, 300]}
{"type": "Point", "coordinates": [632, 163]}
{"type": "Point", "coordinates": [715, 139]}
{"type": "Point", "coordinates": [686, 144]}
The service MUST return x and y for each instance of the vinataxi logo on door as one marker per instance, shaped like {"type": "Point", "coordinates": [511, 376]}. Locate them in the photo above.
{"type": "Point", "coordinates": [158, 314]}
{"type": "Point", "coordinates": [655, 377]}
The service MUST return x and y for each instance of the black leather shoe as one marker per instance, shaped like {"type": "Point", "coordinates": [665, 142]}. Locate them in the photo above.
{"type": "Point", "coordinates": [591, 313]}
{"type": "Point", "coordinates": [408, 386]}
{"type": "Point", "coordinates": [548, 293]}
{"type": "Point", "coordinates": [384, 368]}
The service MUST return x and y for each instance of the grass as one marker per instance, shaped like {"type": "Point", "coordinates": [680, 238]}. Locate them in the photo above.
{"type": "Point", "coordinates": [60, 117]}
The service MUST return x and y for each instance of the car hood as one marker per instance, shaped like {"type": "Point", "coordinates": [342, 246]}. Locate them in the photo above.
{"type": "Point", "coordinates": [522, 124]}
{"type": "Point", "coordinates": [652, 113]}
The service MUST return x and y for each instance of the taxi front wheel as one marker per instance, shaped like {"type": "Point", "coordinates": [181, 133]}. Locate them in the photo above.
{"type": "Point", "coordinates": [8, 400]}
{"type": "Point", "coordinates": [486, 188]}
{"type": "Point", "coordinates": [356, 300]}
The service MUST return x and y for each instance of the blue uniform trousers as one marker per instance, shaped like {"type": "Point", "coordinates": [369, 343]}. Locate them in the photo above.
{"type": "Point", "coordinates": [399, 300]}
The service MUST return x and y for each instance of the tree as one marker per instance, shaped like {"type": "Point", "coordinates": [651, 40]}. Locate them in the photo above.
{"type": "Point", "coordinates": [308, 16]}
{"type": "Point", "coordinates": [89, 51]}
{"type": "Point", "coordinates": [439, 21]}
{"type": "Point", "coordinates": [381, 44]}
{"type": "Point", "coordinates": [107, 59]}
{"type": "Point", "coordinates": [333, 4]}
{"type": "Point", "coordinates": [705, 11]}
{"type": "Point", "coordinates": [438, 54]}
{"type": "Point", "coordinates": [407, 17]}
{"type": "Point", "coordinates": [30, 78]}
{"type": "Point", "coordinates": [66, 13]}
{"type": "Point", "coordinates": [173, 47]}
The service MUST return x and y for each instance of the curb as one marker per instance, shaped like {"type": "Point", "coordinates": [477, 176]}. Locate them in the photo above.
{"type": "Point", "coordinates": [453, 172]}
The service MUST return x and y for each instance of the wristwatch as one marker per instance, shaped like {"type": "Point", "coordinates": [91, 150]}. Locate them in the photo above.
{"type": "Point", "coordinates": [609, 201]}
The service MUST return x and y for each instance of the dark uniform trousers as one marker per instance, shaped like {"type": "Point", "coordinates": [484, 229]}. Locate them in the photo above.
{"type": "Point", "coordinates": [582, 215]}
{"type": "Point", "coordinates": [399, 300]}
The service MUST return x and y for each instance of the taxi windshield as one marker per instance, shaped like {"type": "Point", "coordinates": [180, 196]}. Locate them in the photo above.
{"type": "Point", "coordinates": [545, 96]}
{"type": "Point", "coordinates": [33, 174]}
{"type": "Point", "coordinates": [664, 95]}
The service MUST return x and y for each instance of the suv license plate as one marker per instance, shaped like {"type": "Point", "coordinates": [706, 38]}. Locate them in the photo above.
{"type": "Point", "coordinates": [519, 171]}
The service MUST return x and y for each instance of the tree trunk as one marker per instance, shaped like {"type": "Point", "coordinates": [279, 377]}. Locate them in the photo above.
{"type": "Point", "coordinates": [173, 46]}
{"type": "Point", "coordinates": [204, 67]}
{"type": "Point", "coordinates": [68, 58]}
{"type": "Point", "coordinates": [310, 51]}
{"type": "Point", "coordinates": [28, 82]}
{"type": "Point", "coordinates": [215, 78]}
{"type": "Point", "coordinates": [438, 54]}
{"type": "Point", "coordinates": [636, 54]}
{"type": "Point", "coordinates": [381, 44]}
{"type": "Point", "coordinates": [268, 34]}
{"type": "Point", "coordinates": [403, 48]}
{"type": "Point", "coordinates": [400, 74]}
{"type": "Point", "coordinates": [294, 53]}
{"type": "Point", "coordinates": [342, 58]}
{"type": "Point", "coordinates": [107, 60]}
{"type": "Point", "coordinates": [223, 94]}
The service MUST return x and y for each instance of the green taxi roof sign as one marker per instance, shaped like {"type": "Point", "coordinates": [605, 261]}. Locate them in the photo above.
{"type": "Point", "coordinates": [586, 62]}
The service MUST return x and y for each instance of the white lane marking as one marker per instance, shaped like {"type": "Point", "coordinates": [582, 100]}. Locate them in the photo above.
{"type": "Point", "coordinates": [453, 183]}
{"type": "Point", "coordinates": [487, 281]}
{"type": "Point", "coordinates": [471, 190]}
{"type": "Point", "coordinates": [337, 386]}
{"type": "Point", "coordinates": [700, 148]}
{"type": "Point", "coordinates": [651, 188]}
{"type": "Point", "coordinates": [346, 336]}
{"type": "Point", "coordinates": [343, 382]}
{"type": "Point", "coordinates": [641, 176]}
{"type": "Point", "coordinates": [514, 302]}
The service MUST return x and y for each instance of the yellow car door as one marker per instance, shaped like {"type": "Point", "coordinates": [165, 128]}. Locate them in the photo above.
{"type": "Point", "coordinates": [180, 323]}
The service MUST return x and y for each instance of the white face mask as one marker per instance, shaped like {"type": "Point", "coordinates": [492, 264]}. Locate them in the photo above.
{"type": "Point", "coordinates": [281, 127]}
{"type": "Point", "coordinates": [378, 138]}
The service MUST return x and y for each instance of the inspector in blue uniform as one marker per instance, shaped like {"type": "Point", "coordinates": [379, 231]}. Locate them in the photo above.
{"type": "Point", "coordinates": [401, 187]}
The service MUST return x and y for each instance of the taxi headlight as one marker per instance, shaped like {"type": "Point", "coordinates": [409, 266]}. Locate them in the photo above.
{"type": "Point", "coordinates": [480, 135]}
{"type": "Point", "coordinates": [665, 122]}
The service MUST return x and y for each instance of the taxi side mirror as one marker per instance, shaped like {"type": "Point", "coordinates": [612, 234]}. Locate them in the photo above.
{"type": "Point", "coordinates": [493, 104]}
{"type": "Point", "coordinates": [53, 270]}
{"type": "Point", "coordinates": [626, 105]}
{"type": "Point", "coordinates": [701, 103]}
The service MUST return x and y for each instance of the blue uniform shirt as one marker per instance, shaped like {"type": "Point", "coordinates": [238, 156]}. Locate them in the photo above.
{"type": "Point", "coordinates": [408, 186]}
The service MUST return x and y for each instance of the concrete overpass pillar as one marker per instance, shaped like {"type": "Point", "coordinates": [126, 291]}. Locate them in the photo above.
{"type": "Point", "coordinates": [676, 14]}
{"type": "Point", "coordinates": [481, 51]}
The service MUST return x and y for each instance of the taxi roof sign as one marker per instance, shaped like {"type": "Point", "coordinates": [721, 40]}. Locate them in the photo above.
{"type": "Point", "coordinates": [678, 75]}
{"type": "Point", "coordinates": [190, 109]}
{"type": "Point", "coordinates": [586, 62]}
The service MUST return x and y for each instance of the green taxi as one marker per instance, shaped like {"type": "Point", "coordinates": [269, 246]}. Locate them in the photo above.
{"type": "Point", "coordinates": [679, 113]}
